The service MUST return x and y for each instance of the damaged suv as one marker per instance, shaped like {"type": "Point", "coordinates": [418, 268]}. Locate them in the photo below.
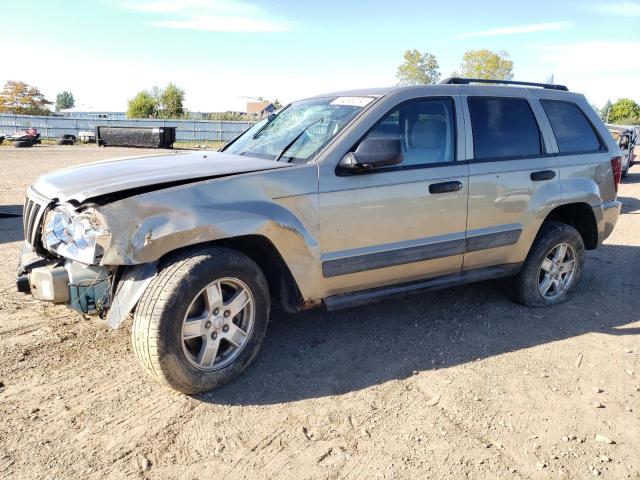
{"type": "Point", "coordinates": [336, 200]}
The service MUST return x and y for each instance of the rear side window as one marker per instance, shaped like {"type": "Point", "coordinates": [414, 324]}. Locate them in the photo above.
{"type": "Point", "coordinates": [573, 132]}
{"type": "Point", "coordinates": [503, 128]}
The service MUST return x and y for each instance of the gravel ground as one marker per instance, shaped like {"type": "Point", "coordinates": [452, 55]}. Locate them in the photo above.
{"type": "Point", "coordinates": [460, 383]}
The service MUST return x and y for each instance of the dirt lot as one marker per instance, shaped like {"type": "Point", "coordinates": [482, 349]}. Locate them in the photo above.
{"type": "Point", "coordinates": [460, 383]}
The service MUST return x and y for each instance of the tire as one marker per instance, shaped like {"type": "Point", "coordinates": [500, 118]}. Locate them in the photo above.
{"type": "Point", "coordinates": [65, 141]}
{"type": "Point", "coordinates": [526, 289]}
{"type": "Point", "coordinates": [157, 333]}
{"type": "Point", "coordinates": [625, 172]}
{"type": "Point", "coordinates": [22, 144]}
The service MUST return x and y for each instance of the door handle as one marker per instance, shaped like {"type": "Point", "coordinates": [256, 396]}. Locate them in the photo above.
{"type": "Point", "coordinates": [542, 175]}
{"type": "Point", "coordinates": [445, 187]}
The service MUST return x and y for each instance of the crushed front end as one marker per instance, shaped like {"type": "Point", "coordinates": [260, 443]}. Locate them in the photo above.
{"type": "Point", "coordinates": [60, 261]}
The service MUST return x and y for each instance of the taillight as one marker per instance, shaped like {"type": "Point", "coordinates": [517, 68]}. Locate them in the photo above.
{"type": "Point", "coordinates": [616, 166]}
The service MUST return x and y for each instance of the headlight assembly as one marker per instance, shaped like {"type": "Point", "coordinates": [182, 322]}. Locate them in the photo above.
{"type": "Point", "coordinates": [75, 235]}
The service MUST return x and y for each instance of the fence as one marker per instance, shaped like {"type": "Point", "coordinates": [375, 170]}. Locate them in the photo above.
{"type": "Point", "coordinates": [186, 130]}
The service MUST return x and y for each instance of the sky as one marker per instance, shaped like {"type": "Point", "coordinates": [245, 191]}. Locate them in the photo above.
{"type": "Point", "coordinates": [220, 51]}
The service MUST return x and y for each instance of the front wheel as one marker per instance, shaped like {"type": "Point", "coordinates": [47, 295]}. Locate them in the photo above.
{"type": "Point", "coordinates": [201, 321]}
{"type": "Point", "coordinates": [553, 267]}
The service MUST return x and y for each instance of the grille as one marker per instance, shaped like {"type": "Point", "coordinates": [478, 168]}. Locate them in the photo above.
{"type": "Point", "coordinates": [34, 208]}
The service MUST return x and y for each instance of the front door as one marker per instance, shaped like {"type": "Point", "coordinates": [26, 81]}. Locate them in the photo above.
{"type": "Point", "coordinates": [402, 222]}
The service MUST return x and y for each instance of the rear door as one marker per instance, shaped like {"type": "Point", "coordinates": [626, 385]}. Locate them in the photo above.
{"type": "Point", "coordinates": [513, 179]}
{"type": "Point", "coordinates": [581, 146]}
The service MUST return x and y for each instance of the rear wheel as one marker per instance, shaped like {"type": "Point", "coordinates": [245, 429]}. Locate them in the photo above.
{"type": "Point", "coordinates": [553, 267]}
{"type": "Point", "coordinates": [202, 320]}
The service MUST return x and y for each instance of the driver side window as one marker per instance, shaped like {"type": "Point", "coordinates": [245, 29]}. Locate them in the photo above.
{"type": "Point", "coordinates": [425, 129]}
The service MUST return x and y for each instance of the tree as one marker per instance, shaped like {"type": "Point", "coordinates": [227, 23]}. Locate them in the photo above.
{"type": "Point", "coordinates": [487, 64]}
{"type": "Point", "coordinates": [143, 105]}
{"type": "Point", "coordinates": [22, 98]}
{"type": "Point", "coordinates": [605, 111]}
{"type": "Point", "coordinates": [171, 100]}
{"type": "Point", "coordinates": [65, 100]}
{"type": "Point", "coordinates": [158, 103]}
{"type": "Point", "coordinates": [625, 110]}
{"type": "Point", "coordinates": [418, 69]}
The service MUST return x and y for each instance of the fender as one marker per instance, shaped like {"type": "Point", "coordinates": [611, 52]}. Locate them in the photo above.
{"type": "Point", "coordinates": [146, 227]}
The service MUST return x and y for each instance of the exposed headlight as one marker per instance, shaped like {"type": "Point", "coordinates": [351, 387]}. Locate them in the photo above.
{"type": "Point", "coordinates": [75, 235]}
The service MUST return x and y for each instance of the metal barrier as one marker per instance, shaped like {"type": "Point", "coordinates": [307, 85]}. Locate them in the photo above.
{"type": "Point", "coordinates": [186, 130]}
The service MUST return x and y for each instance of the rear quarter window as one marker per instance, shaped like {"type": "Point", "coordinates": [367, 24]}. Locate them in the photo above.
{"type": "Point", "coordinates": [503, 128]}
{"type": "Point", "coordinates": [573, 131]}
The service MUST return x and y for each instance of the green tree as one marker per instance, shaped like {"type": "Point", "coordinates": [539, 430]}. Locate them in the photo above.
{"type": "Point", "coordinates": [158, 103]}
{"type": "Point", "coordinates": [625, 110]}
{"type": "Point", "coordinates": [418, 69]}
{"type": "Point", "coordinates": [22, 98]}
{"type": "Point", "coordinates": [65, 100]}
{"type": "Point", "coordinates": [171, 99]}
{"type": "Point", "coordinates": [487, 64]}
{"type": "Point", "coordinates": [143, 105]}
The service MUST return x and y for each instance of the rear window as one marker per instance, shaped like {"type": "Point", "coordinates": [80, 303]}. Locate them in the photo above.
{"type": "Point", "coordinates": [573, 132]}
{"type": "Point", "coordinates": [503, 128]}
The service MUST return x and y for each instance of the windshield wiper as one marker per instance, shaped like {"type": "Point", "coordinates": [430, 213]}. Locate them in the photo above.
{"type": "Point", "coordinates": [295, 139]}
{"type": "Point", "coordinates": [270, 118]}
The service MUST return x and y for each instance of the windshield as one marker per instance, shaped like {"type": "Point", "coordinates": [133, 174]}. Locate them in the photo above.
{"type": "Point", "coordinates": [300, 130]}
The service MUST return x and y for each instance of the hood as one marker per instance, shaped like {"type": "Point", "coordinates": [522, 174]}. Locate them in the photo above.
{"type": "Point", "coordinates": [101, 178]}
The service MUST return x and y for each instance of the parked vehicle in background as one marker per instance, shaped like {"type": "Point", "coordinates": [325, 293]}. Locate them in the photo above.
{"type": "Point", "coordinates": [67, 140]}
{"type": "Point", "coordinates": [337, 200]}
{"type": "Point", "coordinates": [25, 138]}
{"type": "Point", "coordinates": [87, 136]}
{"type": "Point", "coordinates": [627, 138]}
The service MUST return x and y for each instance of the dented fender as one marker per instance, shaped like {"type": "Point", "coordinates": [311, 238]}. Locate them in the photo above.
{"type": "Point", "coordinates": [280, 205]}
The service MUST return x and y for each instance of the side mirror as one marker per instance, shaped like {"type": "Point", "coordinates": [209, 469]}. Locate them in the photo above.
{"type": "Point", "coordinates": [373, 153]}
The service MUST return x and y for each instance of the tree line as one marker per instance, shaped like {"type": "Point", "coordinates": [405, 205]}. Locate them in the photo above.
{"type": "Point", "coordinates": [422, 68]}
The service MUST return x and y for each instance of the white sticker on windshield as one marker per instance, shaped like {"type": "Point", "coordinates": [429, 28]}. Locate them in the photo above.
{"type": "Point", "coordinates": [353, 101]}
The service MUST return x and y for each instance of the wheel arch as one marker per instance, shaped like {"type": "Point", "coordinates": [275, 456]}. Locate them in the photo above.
{"type": "Point", "coordinates": [580, 216]}
{"type": "Point", "coordinates": [282, 284]}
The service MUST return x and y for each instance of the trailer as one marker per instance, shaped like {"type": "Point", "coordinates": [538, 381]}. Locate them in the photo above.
{"type": "Point", "coordinates": [148, 137]}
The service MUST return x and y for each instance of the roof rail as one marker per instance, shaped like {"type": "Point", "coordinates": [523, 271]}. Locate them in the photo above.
{"type": "Point", "coordinates": [467, 81]}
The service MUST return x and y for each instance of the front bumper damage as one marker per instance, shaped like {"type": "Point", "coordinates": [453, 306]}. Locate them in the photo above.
{"type": "Point", "coordinates": [85, 288]}
{"type": "Point", "coordinates": [88, 289]}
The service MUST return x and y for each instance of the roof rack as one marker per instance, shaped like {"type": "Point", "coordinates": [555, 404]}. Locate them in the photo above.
{"type": "Point", "coordinates": [467, 81]}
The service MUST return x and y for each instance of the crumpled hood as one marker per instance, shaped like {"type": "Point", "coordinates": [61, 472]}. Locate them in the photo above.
{"type": "Point", "coordinates": [94, 179]}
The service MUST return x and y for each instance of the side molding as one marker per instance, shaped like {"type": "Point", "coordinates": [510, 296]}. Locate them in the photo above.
{"type": "Point", "coordinates": [429, 251]}
{"type": "Point", "coordinates": [390, 258]}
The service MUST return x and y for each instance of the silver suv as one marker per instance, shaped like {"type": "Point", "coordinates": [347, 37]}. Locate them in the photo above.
{"type": "Point", "coordinates": [337, 200]}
